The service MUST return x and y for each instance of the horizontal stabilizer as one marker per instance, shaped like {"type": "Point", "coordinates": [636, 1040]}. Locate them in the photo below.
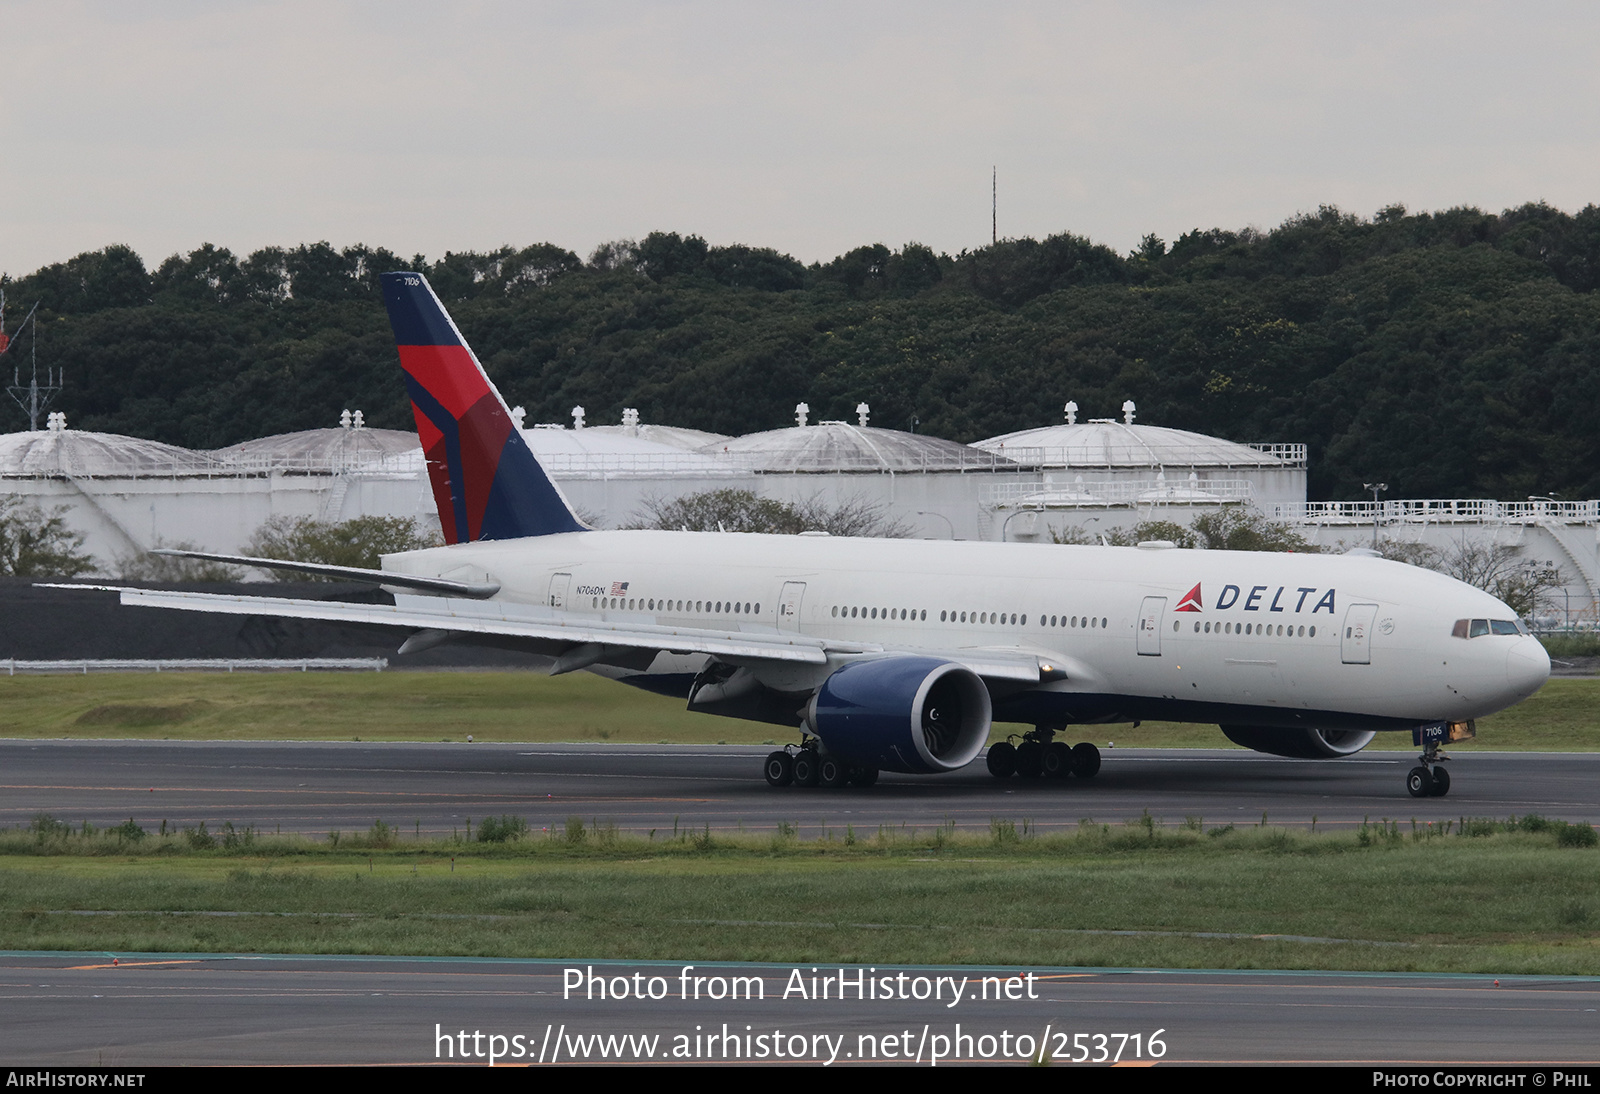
{"type": "Point", "coordinates": [442, 586]}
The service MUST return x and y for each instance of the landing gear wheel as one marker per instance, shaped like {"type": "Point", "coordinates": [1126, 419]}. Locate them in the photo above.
{"type": "Point", "coordinates": [1441, 782]}
{"type": "Point", "coordinates": [832, 774]}
{"type": "Point", "coordinates": [1086, 760]}
{"type": "Point", "coordinates": [1058, 760]}
{"type": "Point", "coordinates": [779, 769]}
{"type": "Point", "coordinates": [1002, 760]}
{"type": "Point", "coordinates": [863, 776]}
{"type": "Point", "coordinates": [806, 766]}
{"type": "Point", "coordinates": [1419, 782]}
{"type": "Point", "coordinates": [1030, 757]}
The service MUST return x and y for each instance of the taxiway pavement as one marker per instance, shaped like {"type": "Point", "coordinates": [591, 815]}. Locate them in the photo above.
{"type": "Point", "coordinates": [169, 1009]}
{"type": "Point", "coordinates": [318, 787]}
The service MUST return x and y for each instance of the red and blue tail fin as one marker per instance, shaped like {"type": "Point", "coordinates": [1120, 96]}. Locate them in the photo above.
{"type": "Point", "coordinates": [486, 482]}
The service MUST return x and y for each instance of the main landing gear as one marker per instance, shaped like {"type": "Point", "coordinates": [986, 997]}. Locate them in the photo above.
{"type": "Point", "coordinates": [1036, 754]}
{"type": "Point", "coordinates": [807, 766]}
{"type": "Point", "coordinates": [1430, 780]}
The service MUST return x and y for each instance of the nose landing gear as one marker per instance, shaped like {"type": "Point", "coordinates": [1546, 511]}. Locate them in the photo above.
{"type": "Point", "coordinates": [1430, 779]}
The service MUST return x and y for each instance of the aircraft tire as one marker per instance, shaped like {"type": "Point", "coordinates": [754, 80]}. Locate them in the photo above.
{"type": "Point", "coordinates": [1419, 782]}
{"type": "Point", "coordinates": [1058, 760]}
{"type": "Point", "coordinates": [1002, 760]}
{"type": "Point", "coordinates": [863, 776]}
{"type": "Point", "coordinates": [1441, 782]}
{"type": "Point", "coordinates": [1086, 760]}
{"type": "Point", "coordinates": [1030, 756]}
{"type": "Point", "coordinates": [806, 767]}
{"type": "Point", "coordinates": [779, 769]}
{"type": "Point", "coordinates": [832, 774]}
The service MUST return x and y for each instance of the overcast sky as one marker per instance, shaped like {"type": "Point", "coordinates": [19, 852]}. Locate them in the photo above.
{"type": "Point", "coordinates": [809, 127]}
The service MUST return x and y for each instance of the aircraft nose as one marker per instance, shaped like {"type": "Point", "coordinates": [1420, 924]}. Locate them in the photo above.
{"type": "Point", "coordinates": [1527, 667]}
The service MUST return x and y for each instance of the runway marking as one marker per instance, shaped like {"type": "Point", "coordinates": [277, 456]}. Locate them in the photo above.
{"type": "Point", "coordinates": [134, 964]}
{"type": "Point", "coordinates": [1035, 930]}
{"type": "Point", "coordinates": [307, 792]}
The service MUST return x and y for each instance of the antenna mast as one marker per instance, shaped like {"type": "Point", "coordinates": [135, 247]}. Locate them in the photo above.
{"type": "Point", "coordinates": [994, 204]}
{"type": "Point", "coordinates": [35, 398]}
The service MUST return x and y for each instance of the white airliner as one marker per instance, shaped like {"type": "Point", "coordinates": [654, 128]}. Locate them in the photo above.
{"type": "Point", "coordinates": [899, 655]}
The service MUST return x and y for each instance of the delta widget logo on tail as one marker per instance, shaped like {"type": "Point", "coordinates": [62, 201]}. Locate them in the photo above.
{"type": "Point", "coordinates": [1191, 600]}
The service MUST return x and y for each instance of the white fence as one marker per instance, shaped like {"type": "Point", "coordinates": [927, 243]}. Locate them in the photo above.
{"type": "Point", "coordinates": [1439, 511]}
{"type": "Point", "coordinates": [1146, 454]}
{"type": "Point", "coordinates": [1103, 493]}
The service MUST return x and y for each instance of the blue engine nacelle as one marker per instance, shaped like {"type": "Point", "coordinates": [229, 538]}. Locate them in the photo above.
{"type": "Point", "coordinates": [1300, 743]}
{"type": "Point", "coordinates": [919, 715]}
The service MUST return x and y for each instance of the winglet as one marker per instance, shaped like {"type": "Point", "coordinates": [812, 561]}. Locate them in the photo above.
{"type": "Point", "coordinates": [486, 483]}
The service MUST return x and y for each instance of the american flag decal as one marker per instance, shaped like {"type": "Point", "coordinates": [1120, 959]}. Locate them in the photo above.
{"type": "Point", "coordinates": [619, 588]}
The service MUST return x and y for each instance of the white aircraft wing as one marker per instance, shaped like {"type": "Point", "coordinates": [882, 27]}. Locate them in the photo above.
{"type": "Point", "coordinates": [497, 617]}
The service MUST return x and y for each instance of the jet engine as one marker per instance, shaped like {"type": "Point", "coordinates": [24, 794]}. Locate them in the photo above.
{"type": "Point", "coordinates": [1302, 744]}
{"type": "Point", "coordinates": [918, 715]}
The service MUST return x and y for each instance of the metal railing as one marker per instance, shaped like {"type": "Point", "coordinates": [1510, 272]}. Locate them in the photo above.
{"type": "Point", "coordinates": [205, 465]}
{"type": "Point", "coordinates": [1294, 454]}
{"type": "Point", "coordinates": [202, 466]}
{"type": "Point", "coordinates": [898, 462]}
{"type": "Point", "coordinates": [1116, 492]}
{"type": "Point", "coordinates": [1439, 511]}
{"type": "Point", "coordinates": [1142, 454]}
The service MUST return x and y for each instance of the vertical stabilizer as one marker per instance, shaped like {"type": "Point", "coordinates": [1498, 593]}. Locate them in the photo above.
{"type": "Point", "coordinates": [486, 482]}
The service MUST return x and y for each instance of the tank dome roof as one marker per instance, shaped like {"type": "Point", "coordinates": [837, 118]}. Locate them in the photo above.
{"type": "Point", "coordinates": [319, 447]}
{"type": "Point", "coordinates": [839, 446]}
{"type": "Point", "coordinates": [1104, 443]}
{"type": "Point", "coordinates": [82, 453]}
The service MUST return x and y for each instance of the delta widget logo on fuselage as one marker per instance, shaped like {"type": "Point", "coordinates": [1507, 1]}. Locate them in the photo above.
{"type": "Point", "coordinates": [1256, 600]}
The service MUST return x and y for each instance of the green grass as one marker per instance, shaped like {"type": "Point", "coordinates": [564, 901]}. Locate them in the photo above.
{"type": "Point", "coordinates": [1508, 899]}
{"type": "Point", "coordinates": [417, 706]}
{"type": "Point", "coordinates": [1571, 645]}
{"type": "Point", "coordinates": [526, 707]}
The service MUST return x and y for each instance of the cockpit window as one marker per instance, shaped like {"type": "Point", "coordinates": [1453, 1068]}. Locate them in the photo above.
{"type": "Point", "coordinates": [1473, 628]}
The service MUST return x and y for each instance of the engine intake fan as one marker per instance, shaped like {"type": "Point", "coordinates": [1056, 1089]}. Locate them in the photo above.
{"type": "Point", "coordinates": [919, 715]}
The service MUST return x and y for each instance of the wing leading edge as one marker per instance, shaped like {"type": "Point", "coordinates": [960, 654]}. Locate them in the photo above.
{"type": "Point", "coordinates": [500, 618]}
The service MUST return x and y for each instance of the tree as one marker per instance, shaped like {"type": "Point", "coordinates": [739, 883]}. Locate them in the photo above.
{"type": "Point", "coordinates": [667, 254]}
{"type": "Point", "coordinates": [358, 542]}
{"type": "Point", "coordinates": [1498, 569]}
{"type": "Point", "coordinates": [34, 543]}
{"type": "Point", "coordinates": [743, 511]}
{"type": "Point", "coordinates": [1246, 528]}
{"type": "Point", "coordinates": [1242, 528]}
{"type": "Point", "coordinates": [742, 267]}
{"type": "Point", "coordinates": [1144, 531]}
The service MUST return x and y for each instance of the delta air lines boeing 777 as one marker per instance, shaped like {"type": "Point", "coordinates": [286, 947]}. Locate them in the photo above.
{"type": "Point", "coordinates": [896, 655]}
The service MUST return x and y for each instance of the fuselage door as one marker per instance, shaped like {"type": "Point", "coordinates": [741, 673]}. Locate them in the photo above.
{"type": "Point", "coordinates": [1355, 642]}
{"type": "Point", "coordinates": [558, 590]}
{"type": "Point", "coordinates": [789, 605]}
{"type": "Point", "coordinates": [1152, 614]}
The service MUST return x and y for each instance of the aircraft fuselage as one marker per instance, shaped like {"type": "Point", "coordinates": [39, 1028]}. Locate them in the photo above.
{"type": "Point", "coordinates": [1333, 642]}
